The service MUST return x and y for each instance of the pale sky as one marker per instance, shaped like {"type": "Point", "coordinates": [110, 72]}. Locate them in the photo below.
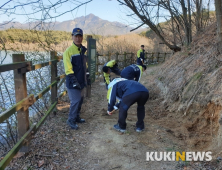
{"type": "Point", "coordinates": [105, 9]}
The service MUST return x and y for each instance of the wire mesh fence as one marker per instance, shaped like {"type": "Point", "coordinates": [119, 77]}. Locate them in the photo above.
{"type": "Point", "coordinates": [36, 81]}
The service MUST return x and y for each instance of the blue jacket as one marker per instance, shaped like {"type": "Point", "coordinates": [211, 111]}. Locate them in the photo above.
{"type": "Point", "coordinates": [75, 63]}
{"type": "Point", "coordinates": [121, 89]}
{"type": "Point", "coordinates": [132, 72]}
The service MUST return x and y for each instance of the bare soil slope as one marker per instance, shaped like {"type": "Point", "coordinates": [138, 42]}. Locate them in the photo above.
{"type": "Point", "coordinates": [190, 84]}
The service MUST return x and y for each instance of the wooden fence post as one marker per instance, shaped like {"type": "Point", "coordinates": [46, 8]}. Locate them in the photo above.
{"type": "Point", "coordinates": [21, 93]}
{"type": "Point", "coordinates": [53, 56]}
{"type": "Point", "coordinates": [124, 59]}
{"type": "Point", "coordinates": [109, 56]}
{"type": "Point", "coordinates": [152, 57]}
{"type": "Point", "coordinates": [97, 62]}
{"type": "Point", "coordinates": [132, 62]}
{"type": "Point", "coordinates": [164, 57]}
{"type": "Point", "coordinates": [117, 54]}
{"type": "Point", "coordinates": [158, 55]}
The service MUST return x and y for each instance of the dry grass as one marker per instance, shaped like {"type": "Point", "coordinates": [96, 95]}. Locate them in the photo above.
{"type": "Point", "coordinates": [17, 46]}
{"type": "Point", "coordinates": [124, 43]}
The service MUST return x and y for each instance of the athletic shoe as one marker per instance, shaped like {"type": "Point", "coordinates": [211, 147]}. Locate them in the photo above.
{"type": "Point", "coordinates": [116, 127]}
{"type": "Point", "coordinates": [79, 120]}
{"type": "Point", "coordinates": [139, 129]}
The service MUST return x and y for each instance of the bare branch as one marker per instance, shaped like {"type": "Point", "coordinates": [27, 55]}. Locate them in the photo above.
{"type": "Point", "coordinates": [44, 9]}
{"type": "Point", "coordinates": [137, 27]}
{"type": "Point", "coordinates": [5, 4]}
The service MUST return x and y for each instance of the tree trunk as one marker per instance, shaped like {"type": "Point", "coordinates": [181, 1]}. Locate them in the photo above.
{"type": "Point", "coordinates": [173, 30]}
{"type": "Point", "coordinates": [189, 22]}
{"type": "Point", "coordinates": [218, 7]}
{"type": "Point", "coordinates": [198, 21]}
{"type": "Point", "coordinates": [186, 23]}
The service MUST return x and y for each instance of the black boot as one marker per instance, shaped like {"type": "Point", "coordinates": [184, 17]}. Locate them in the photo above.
{"type": "Point", "coordinates": [79, 120]}
{"type": "Point", "coordinates": [72, 124]}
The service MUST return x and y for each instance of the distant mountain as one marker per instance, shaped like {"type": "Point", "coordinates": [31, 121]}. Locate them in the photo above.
{"type": "Point", "coordinates": [90, 24]}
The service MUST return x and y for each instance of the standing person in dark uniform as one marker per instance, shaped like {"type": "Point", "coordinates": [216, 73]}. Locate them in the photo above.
{"type": "Point", "coordinates": [133, 72]}
{"type": "Point", "coordinates": [129, 92]}
{"type": "Point", "coordinates": [140, 56]}
{"type": "Point", "coordinates": [75, 63]}
{"type": "Point", "coordinates": [109, 67]}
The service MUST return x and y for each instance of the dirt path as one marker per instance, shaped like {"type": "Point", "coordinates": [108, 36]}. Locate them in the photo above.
{"type": "Point", "coordinates": [96, 145]}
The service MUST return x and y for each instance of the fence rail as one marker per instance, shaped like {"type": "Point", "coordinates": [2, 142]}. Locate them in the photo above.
{"type": "Point", "coordinates": [130, 58]}
{"type": "Point", "coordinates": [23, 102]}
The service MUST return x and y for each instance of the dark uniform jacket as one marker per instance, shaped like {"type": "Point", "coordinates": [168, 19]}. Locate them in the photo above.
{"type": "Point", "coordinates": [120, 88]}
{"type": "Point", "coordinates": [75, 63]}
{"type": "Point", "coordinates": [132, 72]}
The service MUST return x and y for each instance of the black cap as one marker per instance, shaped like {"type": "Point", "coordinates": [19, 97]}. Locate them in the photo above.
{"type": "Point", "coordinates": [105, 69]}
{"type": "Point", "coordinates": [144, 67]}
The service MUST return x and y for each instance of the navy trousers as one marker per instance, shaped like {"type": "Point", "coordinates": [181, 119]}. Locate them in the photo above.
{"type": "Point", "coordinates": [76, 97]}
{"type": "Point", "coordinates": [140, 98]}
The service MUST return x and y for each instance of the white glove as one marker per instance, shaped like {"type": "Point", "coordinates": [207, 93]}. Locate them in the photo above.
{"type": "Point", "coordinates": [116, 108]}
{"type": "Point", "coordinates": [109, 113]}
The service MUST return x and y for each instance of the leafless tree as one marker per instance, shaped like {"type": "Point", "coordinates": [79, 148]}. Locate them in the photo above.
{"type": "Point", "coordinates": [179, 13]}
{"type": "Point", "coordinates": [44, 10]}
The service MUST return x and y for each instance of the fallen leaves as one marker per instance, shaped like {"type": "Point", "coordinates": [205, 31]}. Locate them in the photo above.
{"type": "Point", "coordinates": [19, 155]}
{"type": "Point", "coordinates": [40, 163]}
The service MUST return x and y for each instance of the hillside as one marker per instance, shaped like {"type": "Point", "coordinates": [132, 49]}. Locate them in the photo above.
{"type": "Point", "coordinates": [90, 24]}
{"type": "Point", "coordinates": [190, 88]}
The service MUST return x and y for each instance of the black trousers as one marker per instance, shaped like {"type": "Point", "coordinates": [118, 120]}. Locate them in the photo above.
{"type": "Point", "coordinates": [115, 70]}
{"type": "Point", "coordinates": [141, 99]}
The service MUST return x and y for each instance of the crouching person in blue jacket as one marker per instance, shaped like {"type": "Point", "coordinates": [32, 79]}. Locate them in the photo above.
{"type": "Point", "coordinates": [109, 67]}
{"type": "Point", "coordinates": [133, 72]}
{"type": "Point", "coordinates": [130, 92]}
